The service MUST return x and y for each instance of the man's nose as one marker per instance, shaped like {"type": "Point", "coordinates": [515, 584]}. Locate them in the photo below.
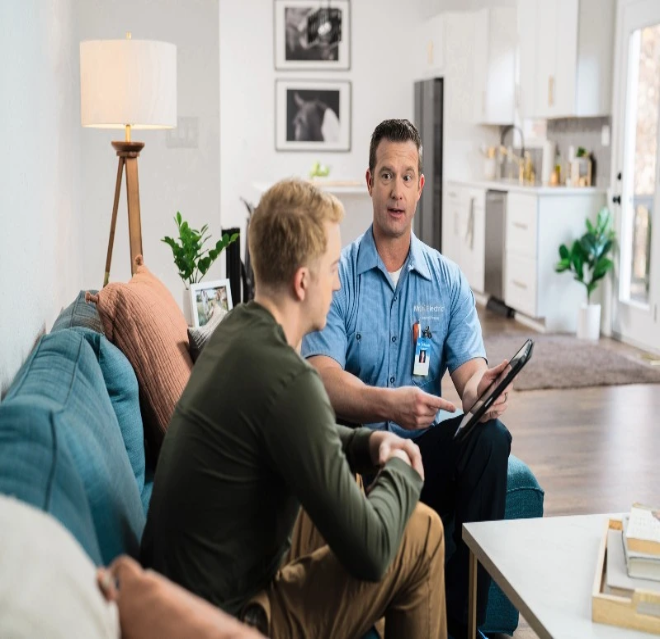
{"type": "Point", "coordinates": [397, 189]}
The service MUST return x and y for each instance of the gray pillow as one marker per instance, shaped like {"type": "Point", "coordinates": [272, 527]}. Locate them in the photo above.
{"type": "Point", "coordinates": [197, 337]}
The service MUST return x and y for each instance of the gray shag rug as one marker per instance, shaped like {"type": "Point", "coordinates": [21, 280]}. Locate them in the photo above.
{"type": "Point", "coordinates": [563, 361]}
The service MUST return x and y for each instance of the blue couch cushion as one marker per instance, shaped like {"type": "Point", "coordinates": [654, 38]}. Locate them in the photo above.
{"type": "Point", "coordinates": [61, 387]}
{"type": "Point", "coordinates": [36, 468]}
{"type": "Point", "coordinates": [524, 499]}
{"type": "Point", "coordinates": [79, 313]}
{"type": "Point", "coordinates": [122, 387]}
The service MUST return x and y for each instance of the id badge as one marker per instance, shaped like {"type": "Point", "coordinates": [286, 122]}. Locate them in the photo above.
{"type": "Point", "coordinates": [422, 356]}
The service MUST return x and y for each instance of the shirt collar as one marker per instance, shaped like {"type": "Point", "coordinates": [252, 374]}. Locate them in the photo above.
{"type": "Point", "coordinates": [368, 257]}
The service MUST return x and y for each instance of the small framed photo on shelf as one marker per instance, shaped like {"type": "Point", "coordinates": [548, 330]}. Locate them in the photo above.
{"type": "Point", "coordinates": [312, 35]}
{"type": "Point", "coordinates": [312, 115]}
{"type": "Point", "coordinates": [208, 299]}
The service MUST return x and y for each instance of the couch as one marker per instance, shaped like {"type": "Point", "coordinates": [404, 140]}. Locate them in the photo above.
{"type": "Point", "coordinates": [72, 445]}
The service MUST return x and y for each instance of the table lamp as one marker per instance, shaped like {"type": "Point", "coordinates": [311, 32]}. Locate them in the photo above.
{"type": "Point", "coordinates": [127, 84]}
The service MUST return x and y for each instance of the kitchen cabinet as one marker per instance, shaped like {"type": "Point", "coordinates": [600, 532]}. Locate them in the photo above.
{"type": "Point", "coordinates": [535, 227]}
{"type": "Point", "coordinates": [459, 65]}
{"type": "Point", "coordinates": [494, 64]}
{"type": "Point", "coordinates": [480, 59]}
{"type": "Point", "coordinates": [464, 232]}
{"type": "Point", "coordinates": [430, 43]}
{"type": "Point", "coordinates": [565, 57]}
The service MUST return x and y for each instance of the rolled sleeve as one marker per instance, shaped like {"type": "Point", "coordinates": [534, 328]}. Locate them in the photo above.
{"type": "Point", "coordinates": [331, 341]}
{"type": "Point", "coordinates": [464, 340]}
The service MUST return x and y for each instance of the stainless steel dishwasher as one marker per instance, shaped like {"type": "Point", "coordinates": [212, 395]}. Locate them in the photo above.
{"type": "Point", "coordinates": [495, 231]}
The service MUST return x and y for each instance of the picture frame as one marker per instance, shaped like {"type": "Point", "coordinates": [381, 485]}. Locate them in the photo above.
{"type": "Point", "coordinates": [312, 115]}
{"type": "Point", "coordinates": [207, 298]}
{"type": "Point", "coordinates": [292, 50]}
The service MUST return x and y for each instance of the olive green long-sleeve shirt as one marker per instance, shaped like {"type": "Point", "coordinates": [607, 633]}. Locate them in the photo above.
{"type": "Point", "coordinates": [253, 438]}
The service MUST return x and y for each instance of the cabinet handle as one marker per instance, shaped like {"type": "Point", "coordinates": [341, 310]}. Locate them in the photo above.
{"type": "Point", "coordinates": [519, 284]}
{"type": "Point", "coordinates": [551, 90]}
{"type": "Point", "coordinates": [520, 225]}
{"type": "Point", "coordinates": [470, 225]}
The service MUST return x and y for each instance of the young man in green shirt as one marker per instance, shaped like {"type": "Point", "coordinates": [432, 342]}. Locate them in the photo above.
{"type": "Point", "coordinates": [254, 437]}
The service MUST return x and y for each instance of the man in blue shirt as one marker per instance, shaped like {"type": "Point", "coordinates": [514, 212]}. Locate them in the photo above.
{"type": "Point", "coordinates": [398, 295]}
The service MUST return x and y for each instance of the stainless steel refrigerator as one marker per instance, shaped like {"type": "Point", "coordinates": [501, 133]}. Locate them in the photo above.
{"type": "Point", "coordinates": [428, 120]}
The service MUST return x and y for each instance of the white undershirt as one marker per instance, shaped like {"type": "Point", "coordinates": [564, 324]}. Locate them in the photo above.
{"type": "Point", "coordinates": [395, 276]}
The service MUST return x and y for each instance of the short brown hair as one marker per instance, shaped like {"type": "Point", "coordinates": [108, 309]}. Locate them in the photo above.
{"type": "Point", "coordinates": [394, 131]}
{"type": "Point", "coordinates": [287, 230]}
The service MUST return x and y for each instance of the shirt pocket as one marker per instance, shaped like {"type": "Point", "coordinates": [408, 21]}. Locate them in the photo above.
{"type": "Point", "coordinates": [366, 356]}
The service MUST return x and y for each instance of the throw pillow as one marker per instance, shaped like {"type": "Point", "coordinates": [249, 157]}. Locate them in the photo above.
{"type": "Point", "coordinates": [197, 337]}
{"type": "Point", "coordinates": [143, 320]}
{"type": "Point", "coordinates": [48, 586]}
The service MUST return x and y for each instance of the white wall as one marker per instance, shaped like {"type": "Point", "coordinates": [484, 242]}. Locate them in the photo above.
{"type": "Point", "coordinates": [171, 179]}
{"type": "Point", "coordinates": [382, 87]}
{"type": "Point", "coordinates": [41, 247]}
{"type": "Point", "coordinates": [433, 7]}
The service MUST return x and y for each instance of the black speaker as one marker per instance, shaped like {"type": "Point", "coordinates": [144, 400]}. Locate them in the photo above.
{"type": "Point", "coordinates": [233, 257]}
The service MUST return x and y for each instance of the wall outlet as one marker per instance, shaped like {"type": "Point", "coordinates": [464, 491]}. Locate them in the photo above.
{"type": "Point", "coordinates": [185, 136]}
{"type": "Point", "coordinates": [605, 135]}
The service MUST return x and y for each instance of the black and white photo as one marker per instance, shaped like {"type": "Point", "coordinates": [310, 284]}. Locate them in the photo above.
{"type": "Point", "coordinates": [312, 35]}
{"type": "Point", "coordinates": [313, 116]}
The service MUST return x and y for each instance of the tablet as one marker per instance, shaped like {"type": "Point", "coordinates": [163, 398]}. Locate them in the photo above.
{"type": "Point", "coordinates": [485, 401]}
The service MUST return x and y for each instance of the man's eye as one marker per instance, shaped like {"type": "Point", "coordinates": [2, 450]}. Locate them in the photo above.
{"type": "Point", "coordinates": [408, 178]}
{"type": "Point", "coordinates": [386, 176]}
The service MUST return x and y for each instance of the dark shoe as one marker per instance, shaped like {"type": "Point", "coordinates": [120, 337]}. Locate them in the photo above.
{"type": "Point", "coordinates": [254, 615]}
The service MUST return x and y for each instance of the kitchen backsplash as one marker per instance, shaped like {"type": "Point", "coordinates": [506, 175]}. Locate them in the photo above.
{"type": "Point", "coordinates": [587, 133]}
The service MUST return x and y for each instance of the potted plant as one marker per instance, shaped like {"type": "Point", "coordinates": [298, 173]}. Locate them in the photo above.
{"type": "Point", "coordinates": [588, 260]}
{"type": "Point", "coordinates": [190, 256]}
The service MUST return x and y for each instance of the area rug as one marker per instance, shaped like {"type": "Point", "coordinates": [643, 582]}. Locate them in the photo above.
{"type": "Point", "coordinates": [563, 361]}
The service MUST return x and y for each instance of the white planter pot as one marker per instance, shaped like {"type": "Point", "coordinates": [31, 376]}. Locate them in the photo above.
{"type": "Point", "coordinates": [588, 326]}
{"type": "Point", "coordinates": [187, 307]}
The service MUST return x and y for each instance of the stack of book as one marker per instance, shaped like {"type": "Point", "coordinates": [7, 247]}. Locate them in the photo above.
{"type": "Point", "coordinates": [641, 542]}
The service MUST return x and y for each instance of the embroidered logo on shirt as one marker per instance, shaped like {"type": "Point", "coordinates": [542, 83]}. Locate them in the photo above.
{"type": "Point", "coordinates": [428, 308]}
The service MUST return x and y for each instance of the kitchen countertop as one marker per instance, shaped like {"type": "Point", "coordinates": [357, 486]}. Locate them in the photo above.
{"type": "Point", "coordinates": [515, 187]}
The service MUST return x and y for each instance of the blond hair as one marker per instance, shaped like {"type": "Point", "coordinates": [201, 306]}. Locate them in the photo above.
{"type": "Point", "coordinates": [287, 230]}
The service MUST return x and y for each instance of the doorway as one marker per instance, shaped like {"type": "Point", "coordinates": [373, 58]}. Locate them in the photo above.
{"type": "Point", "coordinates": [636, 173]}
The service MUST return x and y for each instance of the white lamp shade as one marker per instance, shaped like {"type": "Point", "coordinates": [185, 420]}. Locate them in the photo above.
{"type": "Point", "coordinates": [128, 82]}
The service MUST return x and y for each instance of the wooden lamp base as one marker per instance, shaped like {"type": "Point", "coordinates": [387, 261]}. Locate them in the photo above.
{"type": "Point", "coordinates": [128, 153]}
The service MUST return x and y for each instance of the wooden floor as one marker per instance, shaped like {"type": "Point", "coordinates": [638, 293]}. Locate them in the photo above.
{"type": "Point", "coordinates": [593, 450]}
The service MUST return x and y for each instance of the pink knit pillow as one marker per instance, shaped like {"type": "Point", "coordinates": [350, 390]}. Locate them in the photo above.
{"type": "Point", "coordinates": [142, 319]}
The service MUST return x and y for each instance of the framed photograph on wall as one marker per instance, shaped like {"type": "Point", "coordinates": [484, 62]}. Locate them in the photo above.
{"type": "Point", "coordinates": [209, 299]}
{"type": "Point", "coordinates": [312, 115]}
{"type": "Point", "coordinates": [310, 34]}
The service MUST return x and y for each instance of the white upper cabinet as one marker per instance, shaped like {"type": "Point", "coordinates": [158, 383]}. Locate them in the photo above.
{"type": "Point", "coordinates": [480, 59]}
{"type": "Point", "coordinates": [565, 57]}
{"type": "Point", "coordinates": [494, 66]}
{"type": "Point", "coordinates": [430, 61]}
{"type": "Point", "coordinates": [459, 65]}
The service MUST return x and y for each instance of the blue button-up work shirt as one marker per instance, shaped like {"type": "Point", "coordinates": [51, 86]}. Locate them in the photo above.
{"type": "Point", "coordinates": [370, 324]}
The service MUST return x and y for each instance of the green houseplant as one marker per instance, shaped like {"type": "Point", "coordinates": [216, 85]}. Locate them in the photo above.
{"type": "Point", "coordinates": [588, 260]}
{"type": "Point", "coordinates": [190, 256]}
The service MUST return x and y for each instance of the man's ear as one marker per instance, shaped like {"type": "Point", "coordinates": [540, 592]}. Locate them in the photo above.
{"type": "Point", "coordinates": [421, 185]}
{"type": "Point", "coordinates": [301, 283]}
{"type": "Point", "coordinates": [370, 181]}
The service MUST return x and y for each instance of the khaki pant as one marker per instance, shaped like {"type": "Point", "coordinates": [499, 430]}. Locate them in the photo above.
{"type": "Point", "coordinates": [314, 597]}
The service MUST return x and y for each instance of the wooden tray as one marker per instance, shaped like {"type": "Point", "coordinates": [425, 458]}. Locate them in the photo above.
{"type": "Point", "coordinates": [636, 609]}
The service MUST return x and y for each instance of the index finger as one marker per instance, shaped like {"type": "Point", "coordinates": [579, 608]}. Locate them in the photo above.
{"type": "Point", "coordinates": [437, 403]}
